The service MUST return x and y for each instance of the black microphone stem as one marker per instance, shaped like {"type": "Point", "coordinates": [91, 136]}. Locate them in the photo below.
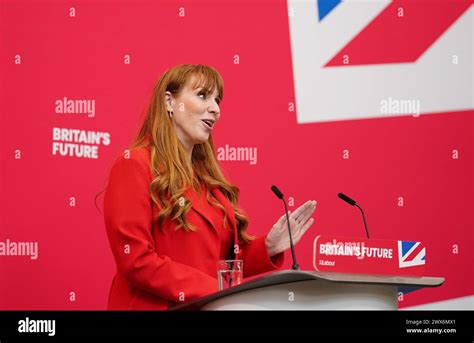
{"type": "Point", "coordinates": [280, 196]}
{"type": "Point", "coordinates": [365, 223]}
{"type": "Point", "coordinates": [295, 265]}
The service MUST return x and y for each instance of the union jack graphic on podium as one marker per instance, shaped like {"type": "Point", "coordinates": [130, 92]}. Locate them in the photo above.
{"type": "Point", "coordinates": [411, 254]}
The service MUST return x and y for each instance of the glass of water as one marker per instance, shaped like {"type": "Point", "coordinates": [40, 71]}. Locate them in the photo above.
{"type": "Point", "coordinates": [229, 273]}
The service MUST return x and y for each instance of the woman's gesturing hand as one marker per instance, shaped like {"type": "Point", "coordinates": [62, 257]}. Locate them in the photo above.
{"type": "Point", "coordinates": [278, 240]}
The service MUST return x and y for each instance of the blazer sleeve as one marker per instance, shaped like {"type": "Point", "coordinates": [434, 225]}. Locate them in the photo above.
{"type": "Point", "coordinates": [256, 259]}
{"type": "Point", "coordinates": [128, 218]}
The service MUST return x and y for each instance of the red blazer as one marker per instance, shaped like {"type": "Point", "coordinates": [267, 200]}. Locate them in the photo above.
{"type": "Point", "coordinates": [160, 269]}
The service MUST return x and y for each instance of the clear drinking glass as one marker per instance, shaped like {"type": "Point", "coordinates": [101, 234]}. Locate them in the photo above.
{"type": "Point", "coordinates": [229, 273]}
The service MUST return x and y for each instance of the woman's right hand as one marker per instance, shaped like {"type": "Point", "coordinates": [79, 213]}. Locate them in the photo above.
{"type": "Point", "coordinates": [278, 240]}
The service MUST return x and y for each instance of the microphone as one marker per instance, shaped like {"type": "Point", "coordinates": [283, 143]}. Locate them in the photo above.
{"type": "Point", "coordinates": [353, 203]}
{"type": "Point", "coordinates": [280, 196]}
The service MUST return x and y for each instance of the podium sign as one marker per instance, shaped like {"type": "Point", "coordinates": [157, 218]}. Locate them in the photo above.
{"type": "Point", "coordinates": [368, 256]}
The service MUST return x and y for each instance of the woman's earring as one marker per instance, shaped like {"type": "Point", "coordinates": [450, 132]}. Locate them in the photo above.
{"type": "Point", "coordinates": [170, 113]}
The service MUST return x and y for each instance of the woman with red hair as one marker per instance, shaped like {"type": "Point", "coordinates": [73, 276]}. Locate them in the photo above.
{"type": "Point", "coordinates": [170, 214]}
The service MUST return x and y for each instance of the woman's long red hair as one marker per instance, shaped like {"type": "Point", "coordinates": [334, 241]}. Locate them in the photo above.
{"type": "Point", "coordinates": [172, 170]}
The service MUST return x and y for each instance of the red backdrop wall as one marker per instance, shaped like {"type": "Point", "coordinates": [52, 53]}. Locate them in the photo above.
{"type": "Point", "coordinates": [48, 54]}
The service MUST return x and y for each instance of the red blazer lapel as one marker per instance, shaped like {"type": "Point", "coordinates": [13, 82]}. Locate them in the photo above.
{"type": "Point", "coordinates": [227, 205]}
{"type": "Point", "coordinates": [197, 204]}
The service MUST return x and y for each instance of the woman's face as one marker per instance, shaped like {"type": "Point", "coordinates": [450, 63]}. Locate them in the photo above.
{"type": "Point", "coordinates": [195, 113]}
